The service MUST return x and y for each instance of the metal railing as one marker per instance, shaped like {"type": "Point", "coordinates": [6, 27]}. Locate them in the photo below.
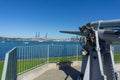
{"type": "Point", "coordinates": [10, 64]}
{"type": "Point", "coordinates": [116, 52]}
{"type": "Point", "coordinates": [30, 57]}
{"type": "Point", "coordinates": [25, 58]}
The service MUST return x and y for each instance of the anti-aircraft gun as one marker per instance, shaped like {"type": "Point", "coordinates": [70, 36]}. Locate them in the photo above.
{"type": "Point", "coordinates": [98, 61]}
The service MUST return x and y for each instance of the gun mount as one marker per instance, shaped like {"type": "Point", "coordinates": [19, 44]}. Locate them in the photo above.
{"type": "Point", "coordinates": [98, 61]}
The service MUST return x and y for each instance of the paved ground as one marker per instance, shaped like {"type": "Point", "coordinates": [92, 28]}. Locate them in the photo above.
{"type": "Point", "coordinates": [69, 73]}
{"type": "Point", "coordinates": [117, 67]}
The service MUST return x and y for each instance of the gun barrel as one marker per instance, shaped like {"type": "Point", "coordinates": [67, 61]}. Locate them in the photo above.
{"type": "Point", "coordinates": [105, 24]}
{"type": "Point", "coordinates": [110, 35]}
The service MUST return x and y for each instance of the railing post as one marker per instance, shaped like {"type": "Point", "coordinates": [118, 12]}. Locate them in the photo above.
{"type": "Point", "coordinates": [10, 65]}
{"type": "Point", "coordinates": [48, 53]}
{"type": "Point", "coordinates": [76, 52]}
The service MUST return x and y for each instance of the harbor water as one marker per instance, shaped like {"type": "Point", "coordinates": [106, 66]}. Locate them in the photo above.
{"type": "Point", "coordinates": [7, 45]}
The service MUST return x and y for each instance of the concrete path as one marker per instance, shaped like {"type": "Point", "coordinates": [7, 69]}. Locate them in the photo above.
{"type": "Point", "coordinates": [54, 72]}
{"type": "Point", "coordinates": [117, 67]}
{"type": "Point", "coordinates": [68, 73]}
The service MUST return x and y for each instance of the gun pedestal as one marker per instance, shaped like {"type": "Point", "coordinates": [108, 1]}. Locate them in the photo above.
{"type": "Point", "coordinates": [99, 63]}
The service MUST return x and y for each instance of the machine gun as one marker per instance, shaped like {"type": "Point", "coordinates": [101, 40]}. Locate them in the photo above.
{"type": "Point", "coordinates": [98, 61]}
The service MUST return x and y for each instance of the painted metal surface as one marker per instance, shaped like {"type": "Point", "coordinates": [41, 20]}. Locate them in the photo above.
{"type": "Point", "coordinates": [10, 65]}
{"type": "Point", "coordinates": [100, 35]}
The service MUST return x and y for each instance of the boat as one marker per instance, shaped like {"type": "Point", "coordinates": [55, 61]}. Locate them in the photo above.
{"type": "Point", "coordinates": [2, 41]}
{"type": "Point", "coordinates": [26, 42]}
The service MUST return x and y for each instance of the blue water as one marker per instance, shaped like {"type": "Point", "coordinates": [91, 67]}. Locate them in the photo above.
{"type": "Point", "coordinates": [7, 45]}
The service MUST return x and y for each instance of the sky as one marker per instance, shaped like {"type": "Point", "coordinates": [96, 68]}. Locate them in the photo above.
{"type": "Point", "coordinates": [23, 18]}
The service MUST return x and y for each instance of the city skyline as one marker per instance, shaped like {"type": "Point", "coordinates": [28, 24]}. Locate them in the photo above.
{"type": "Point", "coordinates": [23, 18]}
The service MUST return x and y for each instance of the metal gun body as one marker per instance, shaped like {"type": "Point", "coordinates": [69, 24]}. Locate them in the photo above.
{"type": "Point", "coordinates": [98, 62]}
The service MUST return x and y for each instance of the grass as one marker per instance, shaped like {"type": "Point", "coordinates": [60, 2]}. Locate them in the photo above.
{"type": "Point", "coordinates": [65, 59]}
{"type": "Point", "coordinates": [26, 65]}
{"type": "Point", "coordinates": [117, 57]}
{"type": "Point", "coordinates": [1, 68]}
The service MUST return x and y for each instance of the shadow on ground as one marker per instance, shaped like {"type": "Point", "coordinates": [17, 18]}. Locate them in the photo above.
{"type": "Point", "coordinates": [68, 70]}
